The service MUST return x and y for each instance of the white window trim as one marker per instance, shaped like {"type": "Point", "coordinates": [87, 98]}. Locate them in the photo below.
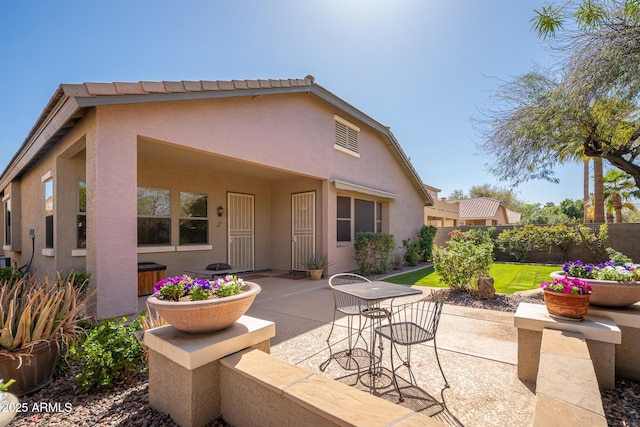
{"type": "Point", "coordinates": [46, 176]}
{"type": "Point", "coordinates": [190, 248]}
{"type": "Point", "coordinates": [155, 249]}
{"type": "Point", "coordinates": [346, 123]}
{"type": "Point", "coordinates": [49, 252]}
{"type": "Point", "coordinates": [346, 151]}
{"type": "Point", "coordinates": [79, 252]}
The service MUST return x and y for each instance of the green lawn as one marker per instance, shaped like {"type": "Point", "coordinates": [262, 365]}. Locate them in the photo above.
{"type": "Point", "coordinates": [509, 278]}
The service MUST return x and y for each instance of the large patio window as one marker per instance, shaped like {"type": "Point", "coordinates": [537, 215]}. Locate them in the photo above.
{"type": "Point", "coordinates": [154, 216]}
{"type": "Point", "coordinates": [81, 232]}
{"type": "Point", "coordinates": [194, 222]}
{"type": "Point", "coordinates": [48, 213]}
{"type": "Point", "coordinates": [366, 215]}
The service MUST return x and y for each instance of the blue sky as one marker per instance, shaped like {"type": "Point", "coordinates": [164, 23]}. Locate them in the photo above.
{"type": "Point", "coordinates": [422, 67]}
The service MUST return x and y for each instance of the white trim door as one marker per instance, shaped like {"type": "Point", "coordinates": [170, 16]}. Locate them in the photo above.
{"type": "Point", "coordinates": [240, 211]}
{"type": "Point", "coordinates": [303, 228]}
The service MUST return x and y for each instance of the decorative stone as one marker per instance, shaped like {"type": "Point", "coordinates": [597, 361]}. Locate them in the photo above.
{"type": "Point", "coordinates": [206, 316]}
{"type": "Point", "coordinates": [486, 289]}
{"type": "Point", "coordinates": [609, 293]}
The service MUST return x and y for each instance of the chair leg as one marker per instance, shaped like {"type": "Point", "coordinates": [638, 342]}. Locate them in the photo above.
{"type": "Point", "coordinates": [392, 346]}
{"type": "Point", "coordinates": [435, 349]}
{"type": "Point", "coordinates": [323, 365]}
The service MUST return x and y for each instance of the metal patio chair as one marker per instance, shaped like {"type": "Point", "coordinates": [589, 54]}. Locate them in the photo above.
{"type": "Point", "coordinates": [351, 307]}
{"type": "Point", "coordinates": [409, 324]}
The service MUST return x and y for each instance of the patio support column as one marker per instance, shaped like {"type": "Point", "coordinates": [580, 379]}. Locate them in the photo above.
{"type": "Point", "coordinates": [112, 217]}
{"type": "Point", "coordinates": [327, 214]}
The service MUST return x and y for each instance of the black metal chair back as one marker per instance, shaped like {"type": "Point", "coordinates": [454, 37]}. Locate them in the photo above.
{"type": "Point", "coordinates": [410, 324]}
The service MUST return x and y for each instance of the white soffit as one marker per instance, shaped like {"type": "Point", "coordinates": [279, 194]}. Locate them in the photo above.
{"type": "Point", "coordinates": [343, 185]}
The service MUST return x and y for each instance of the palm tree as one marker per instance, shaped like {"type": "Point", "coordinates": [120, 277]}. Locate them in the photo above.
{"type": "Point", "coordinates": [585, 194]}
{"type": "Point", "coordinates": [598, 191]}
{"type": "Point", "coordinates": [619, 187]}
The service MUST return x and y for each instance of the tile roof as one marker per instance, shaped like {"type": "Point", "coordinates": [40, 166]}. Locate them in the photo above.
{"type": "Point", "coordinates": [89, 89]}
{"type": "Point", "coordinates": [480, 207]}
{"type": "Point", "coordinates": [92, 94]}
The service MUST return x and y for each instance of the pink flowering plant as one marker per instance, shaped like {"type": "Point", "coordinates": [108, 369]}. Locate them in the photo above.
{"type": "Point", "coordinates": [186, 288]}
{"type": "Point", "coordinates": [568, 285]}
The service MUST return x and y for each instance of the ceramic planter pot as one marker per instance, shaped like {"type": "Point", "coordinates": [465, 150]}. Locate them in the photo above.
{"type": "Point", "coordinates": [207, 316]}
{"type": "Point", "coordinates": [316, 274]}
{"type": "Point", "coordinates": [32, 372]}
{"type": "Point", "coordinates": [568, 306]}
{"type": "Point", "coordinates": [609, 293]}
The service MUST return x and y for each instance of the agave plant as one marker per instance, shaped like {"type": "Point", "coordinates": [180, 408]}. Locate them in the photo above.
{"type": "Point", "coordinates": [33, 310]}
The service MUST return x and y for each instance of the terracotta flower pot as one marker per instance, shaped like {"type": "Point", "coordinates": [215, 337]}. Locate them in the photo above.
{"type": "Point", "coordinates": [609, 293]}
{"type": "Point", "coordinates": [567, 306]}
{"type": "Point", "coordinates": [207, 316]}
{"type": "Point", "coordinates": [316, 274]}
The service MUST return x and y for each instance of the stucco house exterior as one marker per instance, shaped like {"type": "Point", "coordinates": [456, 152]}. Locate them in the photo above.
{"type": "Point", "coordinates": [257, 173]}
{"type": "Point", "coordinates": [441, 213]}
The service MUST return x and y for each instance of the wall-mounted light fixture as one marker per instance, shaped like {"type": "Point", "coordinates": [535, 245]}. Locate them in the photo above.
{"type": "Point", "coordinates": [220, 211]}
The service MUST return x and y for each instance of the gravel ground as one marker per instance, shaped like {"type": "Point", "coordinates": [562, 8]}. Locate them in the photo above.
{"type": "Point", "coordinates": [63, 404]}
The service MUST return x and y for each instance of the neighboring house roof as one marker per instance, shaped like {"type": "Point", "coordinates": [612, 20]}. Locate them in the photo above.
{"type": "Point", "coordinates": [480, 207]}
{"type": "Point", "coordinates": [70, 101]}
{"type": "Point", "coordinates": [513, 216]}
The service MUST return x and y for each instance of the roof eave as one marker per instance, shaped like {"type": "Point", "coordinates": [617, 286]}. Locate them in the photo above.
{"type": "Point", "coordinates": [70, 98]}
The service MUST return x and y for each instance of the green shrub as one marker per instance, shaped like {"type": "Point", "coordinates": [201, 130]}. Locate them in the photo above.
{"type": "Point", "coordinates": [474, 235]}
{"type": "Point", "coordinates": [79, 280]}
{"type": "Point", "coordinates": [462, 262]}
{"type": "Point", "coordinates": [411, 252]}
{"type": "Point", "coordinates": [373, 252]}
{"type": "Point", "coordinates": [520, 241]}
{"type": "Point", "coordinates": [618, 257]}
{"type": "Point", "coordinates": [109, 352]}
{"type": "Point", "coordinates": [9, 274]}
{"type": "Point", "coordinates": [426, 235]}
{"type": "Point", "coordinates": [397, 259]}
{"type": "Point", "coordinates": [594, 240]}
{"type": "Point", "coordinates": [559, 236]}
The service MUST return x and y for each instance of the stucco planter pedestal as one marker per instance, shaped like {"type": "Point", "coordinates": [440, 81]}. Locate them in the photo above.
{"type": "Point", "coordinates": [207, 316]}
{"type": "Point", "coordinates": [609, 293]}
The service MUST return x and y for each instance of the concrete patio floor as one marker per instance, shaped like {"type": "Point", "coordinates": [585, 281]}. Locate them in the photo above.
{"type": "Point", "coordinates": [477, 349]}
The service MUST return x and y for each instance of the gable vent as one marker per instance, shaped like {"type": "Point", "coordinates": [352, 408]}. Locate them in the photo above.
{"type": "Point", "coordinates": [346, 135]}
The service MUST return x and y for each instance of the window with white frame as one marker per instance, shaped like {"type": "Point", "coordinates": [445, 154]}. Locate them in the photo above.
{"type": "Point", "coordinates": [81, 232]}
{"type": "Point", "coordinates": [154, 216]}
{"type": "Point", "coordinates": [357, 215]}
{"type": "Point", "coordinates": [48, 213]}
{"type": "Point", "coordinates": [346, 136]}
{"type": "Point", "coordinates": [194, 221]}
